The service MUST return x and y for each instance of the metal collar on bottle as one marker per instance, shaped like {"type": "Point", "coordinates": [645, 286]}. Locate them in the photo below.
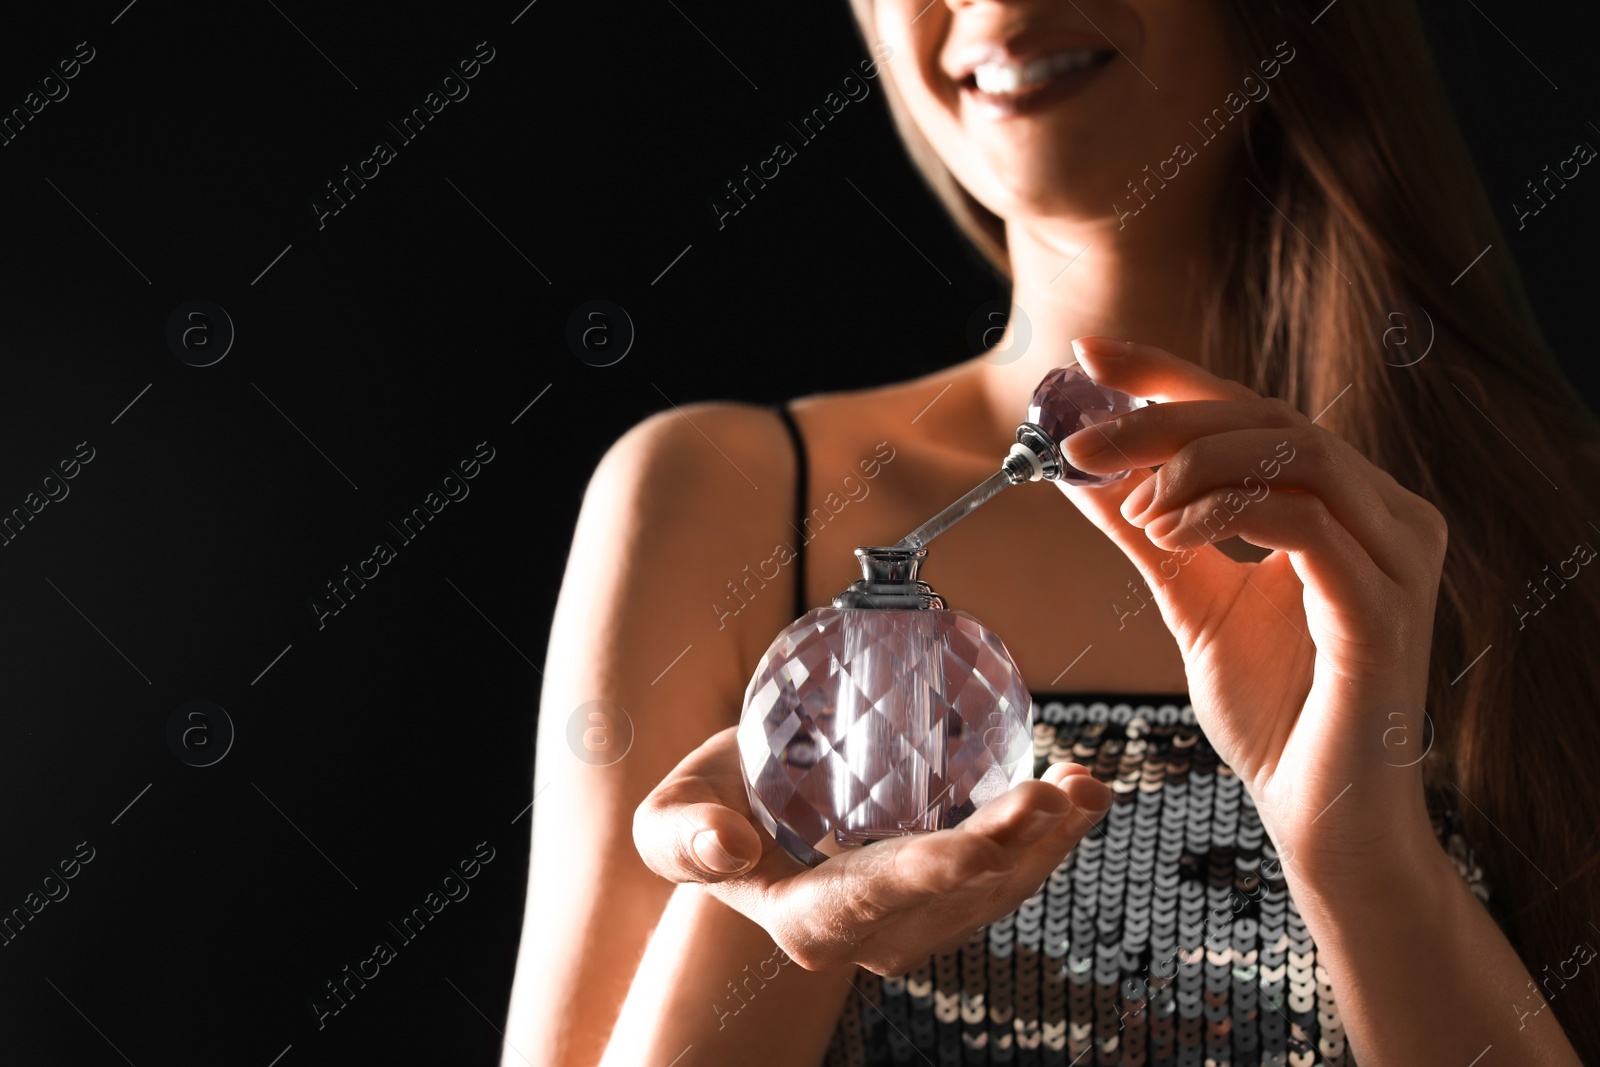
{"type": "Point", "coordinates": [889, 580]}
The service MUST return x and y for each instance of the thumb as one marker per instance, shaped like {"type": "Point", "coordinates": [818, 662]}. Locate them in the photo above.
{"type": "Point", "coordinates": [688, 829]}
{"type": "Point", "coordinates": [703, 843]}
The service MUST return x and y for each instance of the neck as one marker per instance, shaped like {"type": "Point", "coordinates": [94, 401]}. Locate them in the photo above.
{"type": "Point", "coordinates": [1142, 281]}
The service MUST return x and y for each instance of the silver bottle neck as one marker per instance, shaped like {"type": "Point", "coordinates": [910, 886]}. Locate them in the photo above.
{"type": "Point", "coordinates": [889, 581]}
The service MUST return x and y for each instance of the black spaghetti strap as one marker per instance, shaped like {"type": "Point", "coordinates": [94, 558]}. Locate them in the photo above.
{"type": "Point", "coordinates": [799, 508]}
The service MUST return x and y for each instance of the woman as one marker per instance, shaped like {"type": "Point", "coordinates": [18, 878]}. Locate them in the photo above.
{"type": "Point", "coordinates": [1264, 197]}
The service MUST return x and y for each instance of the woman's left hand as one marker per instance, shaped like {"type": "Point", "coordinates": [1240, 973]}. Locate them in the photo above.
{"type": "Point", "coordinates": [1308, 670]}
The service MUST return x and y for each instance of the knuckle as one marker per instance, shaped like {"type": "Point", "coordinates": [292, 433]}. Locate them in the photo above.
{"type": "Point", "coordinates": [686, 865]}
{"type": "Point", "coordinates": [644, 831]}
{"type": "Point", "coordinates": [1317, 513]}
{"type": "Point", "coordinates": [1281, 413]}
{"type": "Point", "coordinates": [1209, 516]}
{"type": "Point", "coordinates": [862, 908]}
{"type": "Point", "coordinates": [845, 907]}
{"type": "Point", "coordinates": [1307, 511]}
{"type": "Point", "coordinates": [856, 898]}
{"type": "Point", "coordinates": [825, 960]}
{"type": "Point", "coordinates": [1392, 483]}
{"type": "Point", "coordinates": [892, 963]}
{"type": "Point", "coordinates": [1434, 523]}
{"type": "Point", "coordinates": [905, 962]}
{"type": "Point", "coordinates": [1319, 446]}
{"type": "Point", "coordinates": [809, 958]}
{"type": "Point", "coordinates": [1176, 472]}
{"type": "Point", "coordinates": [1156, 418]}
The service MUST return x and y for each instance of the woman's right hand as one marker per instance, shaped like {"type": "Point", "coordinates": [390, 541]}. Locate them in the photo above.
{"type": "Point", "coordinates": [887, 906]}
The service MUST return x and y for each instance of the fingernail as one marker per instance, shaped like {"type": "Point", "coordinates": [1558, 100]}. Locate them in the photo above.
{"type": "Point", "coordinates": [1101, 345]}
{"type": "Point", "coordinates": [1097, 803]}
{"type": "Point", "coordinates": [1088, 442]}
{"type": "Point", "coordinates": [713, 857]}
{"type": "Point", "coordinates": [1138, 501]}
{"type": "Point", "coordinates": [1097, 813]}
{"type": "Point", "coordinates": [1162, 525]}
{"type": "Point", "coordinates": [1058, 773]}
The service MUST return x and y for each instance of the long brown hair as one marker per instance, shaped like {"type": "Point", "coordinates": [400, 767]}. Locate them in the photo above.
{"type": "Point", "coordinates": [1375, 211]}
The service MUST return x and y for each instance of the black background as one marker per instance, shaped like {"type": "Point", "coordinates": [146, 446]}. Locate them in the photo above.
{"type": "Point", "coordinates": [377, 751]}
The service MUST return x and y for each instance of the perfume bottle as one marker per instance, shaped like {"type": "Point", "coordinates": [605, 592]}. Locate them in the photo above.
{"type": "Point", "coordinates": [887, 712]}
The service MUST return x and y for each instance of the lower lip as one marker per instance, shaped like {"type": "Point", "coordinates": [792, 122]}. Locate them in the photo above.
{"type": "Point", "coordinates": [1050, 92]}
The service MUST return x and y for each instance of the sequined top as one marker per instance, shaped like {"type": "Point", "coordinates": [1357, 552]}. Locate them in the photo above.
{"type": "Point", "coordinates": [1166, 937]}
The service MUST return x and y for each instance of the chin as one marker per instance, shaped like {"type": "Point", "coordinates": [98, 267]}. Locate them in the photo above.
{"type": "Point", "coordinates": [1027, 186]}
{"type": "Point", "coordinates": [1056, 169]}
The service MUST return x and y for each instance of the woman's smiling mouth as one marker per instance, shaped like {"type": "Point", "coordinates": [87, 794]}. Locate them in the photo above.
{"type": "Point", "coordinates": [1004, 87]}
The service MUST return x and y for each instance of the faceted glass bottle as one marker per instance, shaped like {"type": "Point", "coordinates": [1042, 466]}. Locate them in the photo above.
{"type": "Point", "coordinates": [883, 714]}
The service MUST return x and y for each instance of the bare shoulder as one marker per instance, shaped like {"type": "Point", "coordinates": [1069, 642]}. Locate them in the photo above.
{"type": "Point", "coordinates": [677, 506]}
{"type": "Point", "coordinates": [707, 451]}
{"type": "Point", "coordinates": [694, 448]}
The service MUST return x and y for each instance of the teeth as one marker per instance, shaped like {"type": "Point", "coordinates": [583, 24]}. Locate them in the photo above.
{"type": "Point", "coordinates": [1005, 78]}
